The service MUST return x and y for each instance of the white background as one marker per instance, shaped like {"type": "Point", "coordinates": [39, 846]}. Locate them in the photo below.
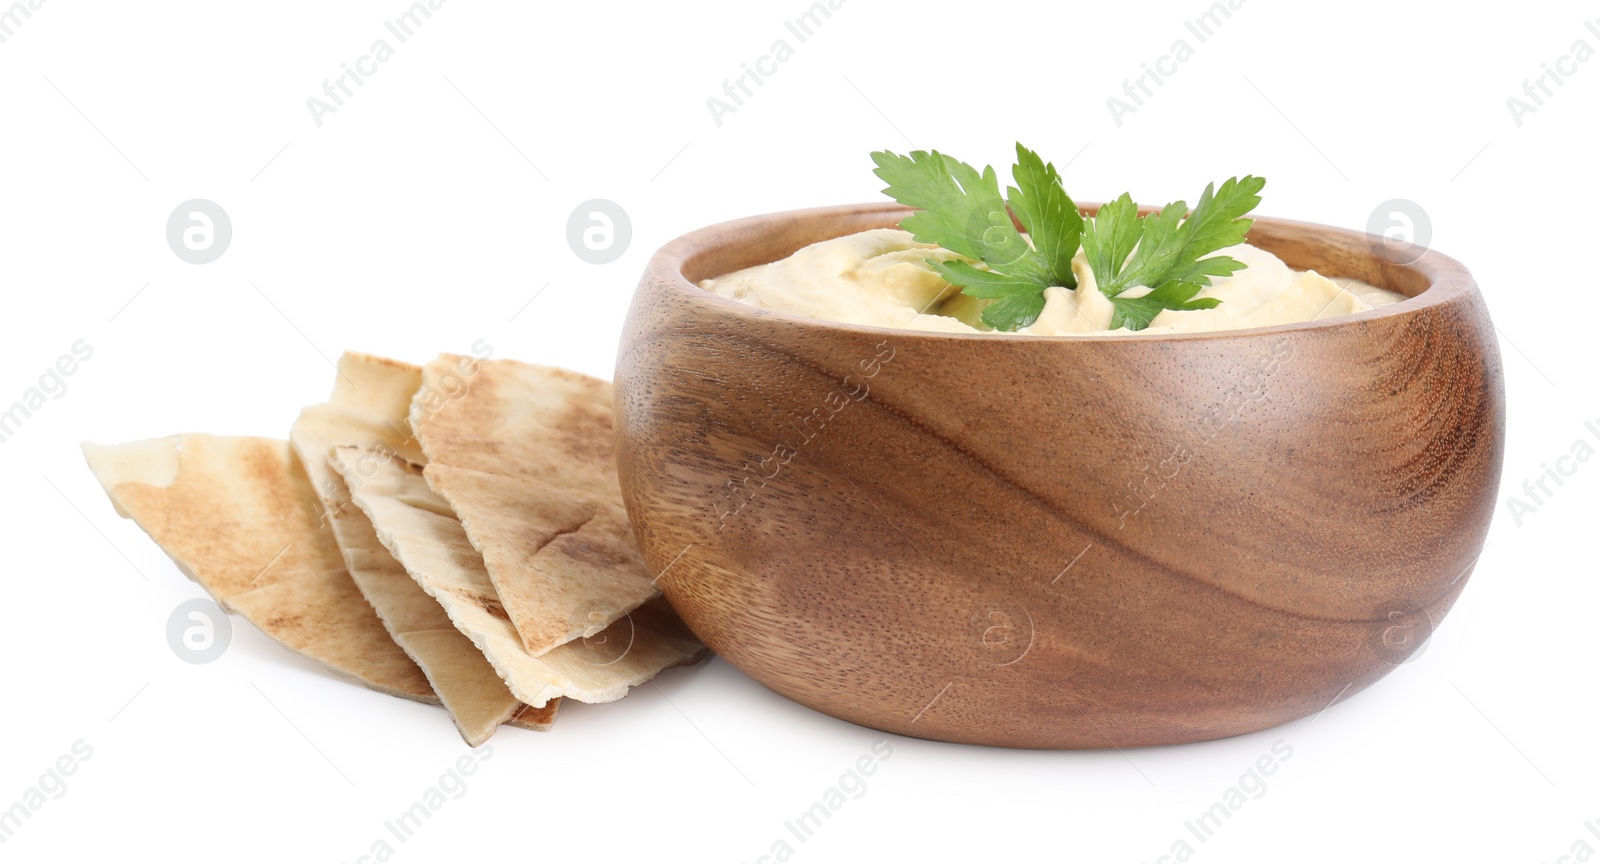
{"type": "Point", "coordinates": [412, 222]}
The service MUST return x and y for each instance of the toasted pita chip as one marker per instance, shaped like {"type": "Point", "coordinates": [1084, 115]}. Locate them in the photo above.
{"type": "Point", "coordinates": [238, 516]}
{"type": "Point", "coordinates": [475, 697]}
{"type": "Point", "coordinates": [509, 417]}
{"type": "Point", "coordinates": [524, 456]}
{"type": "Point", "coordinates": [536, 719]}
{"type": "Point", "coordinates": [565, 565]}
{"type": "Point", "coordinates": [420, 530]}
{"type": "Point", "coordinates": [368, 409]}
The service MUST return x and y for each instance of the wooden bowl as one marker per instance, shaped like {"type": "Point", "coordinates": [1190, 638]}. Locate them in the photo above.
{"type": "Point", "coordinates": [1060, 542]}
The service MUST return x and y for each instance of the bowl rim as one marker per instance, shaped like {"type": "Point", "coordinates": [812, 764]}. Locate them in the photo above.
{"type": "Point", "coordinates": [1447, 280]}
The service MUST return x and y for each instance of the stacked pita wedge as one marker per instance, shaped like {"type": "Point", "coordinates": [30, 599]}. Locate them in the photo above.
{"type": "Point", "coordinates": [368, 408]}
{"type": "Point", "coordinates": [495, 581]}
{"type": "Point", "coordinates": [524, 456]}
{"type": "Point", "coordinates": [419, 528]}
{"type": "Point", "coordinates": [238, 516]}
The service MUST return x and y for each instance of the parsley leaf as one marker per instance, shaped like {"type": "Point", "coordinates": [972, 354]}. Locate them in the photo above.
{"type": "Point", "coordinates": [1110, 236]}
{"type": "Point", "coordinates": [1047, 213]}
{"type": "Point", "coordinates": [1018, 301]}
{"type": "Point", "coordinates": [1135, 313]}
{"type": "Point", "coordinates": [1167, 252]}
{"type": "Point", "coordinates": [961, 209]}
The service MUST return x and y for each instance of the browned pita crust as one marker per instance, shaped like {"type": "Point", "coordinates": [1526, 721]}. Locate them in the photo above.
{"type": "Point", "coordinates": [567, 563]}
{"type": "Point", "coordinates": [537, 719]}
{"type": "Point", "coordinates": [524, 457]}
{"type": "Point", "coordinates": [475, 697]}
{"type": "Point", "coordinates": [419, 529]}
{"type": "Point", "coordinates": [505, 416]}
{"type": "Point", "coordinates": [238, 516]}
{"type": "Point", "coordinates": [368, 408]}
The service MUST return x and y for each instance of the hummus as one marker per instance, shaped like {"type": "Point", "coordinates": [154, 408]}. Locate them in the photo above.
{"type": "Point", "coordinates": [877, 278]}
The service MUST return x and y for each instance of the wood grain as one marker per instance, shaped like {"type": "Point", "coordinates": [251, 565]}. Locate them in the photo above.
{"type": "Point", "coordinates": [1059, 542]}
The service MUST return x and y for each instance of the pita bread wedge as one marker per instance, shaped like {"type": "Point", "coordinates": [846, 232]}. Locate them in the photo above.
{"type": "Point", "coordinates": [509, 417]}
{"type": "Point", "coordinates": [421, 531]}
{"type": "Point", "coordinates": [565, 565]}
{"type": "Point", "coordinates": [475, 697]}
{"type": "Point", "coordinates": [524, 456]}
{"type": "Point", "coordinates": [536, 719]}
{"type": "Point", "coordinates": [238, 516]}
{"type": "Point", "coordinates": [368, 408]}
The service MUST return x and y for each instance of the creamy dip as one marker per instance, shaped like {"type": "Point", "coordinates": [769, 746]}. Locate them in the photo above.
{"type": "Point", "coordinates": [877, 278]}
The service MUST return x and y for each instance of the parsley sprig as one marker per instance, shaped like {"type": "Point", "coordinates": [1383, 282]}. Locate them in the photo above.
{"type": "Point", "coordinates": [961, 209]}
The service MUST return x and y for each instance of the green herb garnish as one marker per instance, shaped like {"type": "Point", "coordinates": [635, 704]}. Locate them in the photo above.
{"type": "Point", "coordinates": [961, 209]}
